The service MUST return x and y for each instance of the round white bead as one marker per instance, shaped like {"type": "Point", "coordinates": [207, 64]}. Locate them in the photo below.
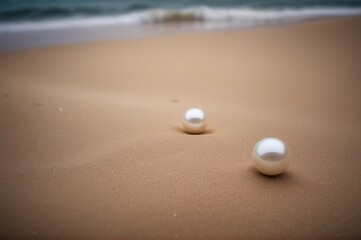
{"type": "Point", "coordinates": [270, 156]}
{"type": "Point", "coordinates": [194, 121]}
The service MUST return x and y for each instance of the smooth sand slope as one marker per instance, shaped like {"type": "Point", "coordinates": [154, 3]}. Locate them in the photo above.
{"type": "Point", "coordinates": [90, 144]}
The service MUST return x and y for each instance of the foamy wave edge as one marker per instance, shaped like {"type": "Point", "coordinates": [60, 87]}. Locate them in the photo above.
{"type": "Point", "coordinates": [203, 15]}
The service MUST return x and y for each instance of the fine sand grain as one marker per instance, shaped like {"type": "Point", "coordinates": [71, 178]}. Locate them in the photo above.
{"type": "Point", "coordinates": [90, 143]}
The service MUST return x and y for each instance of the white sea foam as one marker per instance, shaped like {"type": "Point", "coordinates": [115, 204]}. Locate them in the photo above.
{"type": "Point", "coordinates": [203, 15]}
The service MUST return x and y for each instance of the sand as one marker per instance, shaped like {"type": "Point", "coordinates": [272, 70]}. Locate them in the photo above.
{"type": "Point", "coordinates": [91, 144]}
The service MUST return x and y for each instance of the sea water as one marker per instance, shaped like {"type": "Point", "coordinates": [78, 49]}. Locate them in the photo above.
{"type": "Point", "coordinates": [29, 23]}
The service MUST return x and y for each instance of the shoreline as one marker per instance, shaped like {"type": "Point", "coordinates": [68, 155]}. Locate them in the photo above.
{"type": "Point", "coordinates": [18, 36]}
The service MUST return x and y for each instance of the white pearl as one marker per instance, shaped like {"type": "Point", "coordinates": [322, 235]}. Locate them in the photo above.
{"type": "Point", "coordinates": [194, 121]}
{"type": "Point", "coordinates": [270, 156]}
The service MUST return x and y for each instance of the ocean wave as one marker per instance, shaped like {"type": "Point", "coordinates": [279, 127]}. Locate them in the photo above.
{"type": "Point", "coordinates": [201, 15]}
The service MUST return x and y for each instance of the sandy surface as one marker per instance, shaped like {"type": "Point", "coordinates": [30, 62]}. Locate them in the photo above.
{"type": "Point", "coordinates": [90, 144]}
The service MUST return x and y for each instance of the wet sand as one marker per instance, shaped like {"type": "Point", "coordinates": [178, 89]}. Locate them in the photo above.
{"type": "Point", "coordinates": [91, 144]}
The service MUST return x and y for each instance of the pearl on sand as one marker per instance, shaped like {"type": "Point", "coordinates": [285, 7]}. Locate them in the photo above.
{"type": "Point", "coordinates": [194, 121]}
{"type": "Point", "coordinates": [270, 156]}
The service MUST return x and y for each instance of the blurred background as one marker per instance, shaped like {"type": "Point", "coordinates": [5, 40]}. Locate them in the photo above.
{"type": "Point", "coordinates": [25, 23]}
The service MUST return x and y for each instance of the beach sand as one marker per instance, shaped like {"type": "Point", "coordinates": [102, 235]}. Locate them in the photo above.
{"type": "Point", "coordinates": [91, 144]}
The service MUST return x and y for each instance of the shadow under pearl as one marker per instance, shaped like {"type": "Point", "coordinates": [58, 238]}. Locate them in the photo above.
{"type": "Point", "coordinates": [180, 130]}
